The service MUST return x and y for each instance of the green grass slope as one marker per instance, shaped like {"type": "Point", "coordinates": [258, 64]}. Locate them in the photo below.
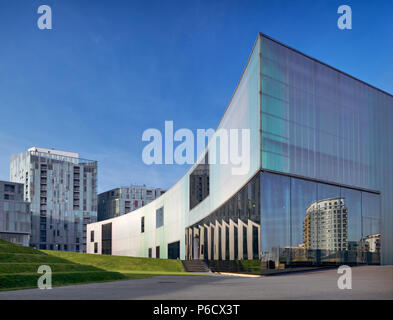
{"type": "Point", "coordinates": [19, 265]}
{"type": "Point", "coordinates": [126, 265]}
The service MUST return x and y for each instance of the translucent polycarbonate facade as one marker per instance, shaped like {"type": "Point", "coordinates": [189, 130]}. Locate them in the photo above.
{"type": "Point", "coordinates": [319, 184]}
{"type": "Point", "coordinates": [320, 123]}
{"type": "Point", "coordinates": [243, 112]}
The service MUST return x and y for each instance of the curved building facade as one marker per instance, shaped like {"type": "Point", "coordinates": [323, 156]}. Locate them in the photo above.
{"type": "Point", "coordinates": [317, 137]}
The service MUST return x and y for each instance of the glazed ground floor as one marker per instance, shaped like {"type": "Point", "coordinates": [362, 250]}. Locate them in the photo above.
{"type": "Point", "coordinates": [291, 220]}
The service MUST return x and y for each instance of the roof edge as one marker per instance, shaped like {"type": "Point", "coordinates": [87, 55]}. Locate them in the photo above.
{"type": "Point", "coordinates": [260, 34]}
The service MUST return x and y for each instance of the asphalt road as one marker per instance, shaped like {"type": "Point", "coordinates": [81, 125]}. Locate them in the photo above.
{"type": "Point", "coordinates": [368, 282]}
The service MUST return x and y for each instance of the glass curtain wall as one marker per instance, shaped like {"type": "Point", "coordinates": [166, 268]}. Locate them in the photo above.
{"type": "Point", "coordinates": [232, 231]}
{"type": "Point", "coordinates": [292, 221]}
{"type": "Point", "coordinates": [305, 222]}
{"type": "Point", "coordinates": [320, 123]}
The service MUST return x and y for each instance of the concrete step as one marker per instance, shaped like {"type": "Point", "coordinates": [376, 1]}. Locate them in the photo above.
{"type": "Point", "coordinates": [195, 266]}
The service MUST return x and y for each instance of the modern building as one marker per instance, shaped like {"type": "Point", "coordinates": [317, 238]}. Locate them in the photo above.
{"type": "Point", "coordinates": [15, 217]}
{"type": "Point", "coordinates": [326, 225]}
{"type": "Point", "coordinates": [316, 133]}
{"type": "Point", "coordinates": [61, 188]}
{"type": "Point", "coordinates": [119, 201]}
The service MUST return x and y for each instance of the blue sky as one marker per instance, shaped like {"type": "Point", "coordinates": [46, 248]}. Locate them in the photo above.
{"type": "Point", "coordinates": [108, 70]}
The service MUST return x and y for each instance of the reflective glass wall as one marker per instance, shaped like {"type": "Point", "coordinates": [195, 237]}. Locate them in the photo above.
{"type": "Point", "coordinates": [306, 222]}
{"type": "Point", "coordinates": [320, 123]}
{"type": "Point", "coordinates": [232, 232]}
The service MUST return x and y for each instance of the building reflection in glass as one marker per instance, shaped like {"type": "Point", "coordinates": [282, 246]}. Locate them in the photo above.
{"type": "Point", "coordinates": [232, 232]}
{"type": "Point", "coordinates": [326, 225]}
{"type": "Point", "coordinates": [286, 221]}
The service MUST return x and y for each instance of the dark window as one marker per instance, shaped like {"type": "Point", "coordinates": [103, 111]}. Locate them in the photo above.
{"type": "Point", "coordinates": [245, 251]}
{"type": "Point", "coordinates": [199, 183]}
{"type": "Point", "coordinates": [205, 244]}
{"type": "Point", "coordinates": [150, 252]}
{"type": "Point", "coordinates": [255, 253]}
{"type": "Point", "coordinates": [219, 244]}
{"type": "Point", "coordinates": [142, 224]}
{"type": "Point", "coordinates": [9, 197]}
{"type": "Point", "coordinates": [9, 188]}
{"type": "Point", "coordinates": [157, 252]}
{"type": "Point", "coordinates": [174, 250]}
{"type": "Point", "coordinates": [92, 236]}
{"type": "Point", "coordinates": [212, 257]}
{"type": "Point", "coordinates": [226, 243]}
{"type": "Point", "coordinates": [236, 249]}
{"type": "Point", "coordinates": [95, 247]}
{"type": "Point", "coordinates": [106, 238]}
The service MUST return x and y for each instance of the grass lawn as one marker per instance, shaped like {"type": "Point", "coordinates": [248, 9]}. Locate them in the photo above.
{"type": "Point", "coordinates": [19, 265]}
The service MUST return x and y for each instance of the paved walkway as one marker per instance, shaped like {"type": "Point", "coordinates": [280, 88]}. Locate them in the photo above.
{"type": "Point", "coordinates": [369, 282]}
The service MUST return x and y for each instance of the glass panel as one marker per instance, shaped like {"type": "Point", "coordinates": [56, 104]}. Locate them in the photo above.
{"type": "Point", "coordinates": [199, 183]}
{"type": "Point", "coordinates": [353, 206]}
{"type": "Point", "coordinates": [275, 219]}
{"type": "Point", "coordinates": [371, 225]}
{"type": "Point", "coordinates": [245, 244]}
{"type": "Point", "coordinates": [160, 217]}
{"type": "Point", "coordinates": [212, 256]}
{"type": "Point", "coordinates": [174, 250]}
{"type": "Point", "coordinates": [303, 194]}
{"type": "Point", "coordinates": [327, 234]}
{"type": "Point", "coordinates": [236, 244]}
{"type": "Point", "coordinates": [232, 221]}
{"type": "Point", "coordinates": [226, 243]}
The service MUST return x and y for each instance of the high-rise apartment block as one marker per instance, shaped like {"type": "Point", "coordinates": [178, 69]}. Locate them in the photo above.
{"type": "Point", "coordinates": [61, 188]}
{"type": "Point", "coordinates": [15, 218]}
{"type": "Point", "coordinates": [119, 201]}
{"type": "Point", "coordinates": [326, 225]}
